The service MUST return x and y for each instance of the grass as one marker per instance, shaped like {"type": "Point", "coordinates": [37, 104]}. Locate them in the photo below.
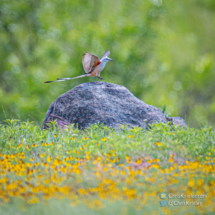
{"type": "Point", "coordinates": [101, 171]}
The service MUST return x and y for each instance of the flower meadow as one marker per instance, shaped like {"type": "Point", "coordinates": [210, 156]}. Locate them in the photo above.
{"type": "Point", "coordinates": [104, 171]}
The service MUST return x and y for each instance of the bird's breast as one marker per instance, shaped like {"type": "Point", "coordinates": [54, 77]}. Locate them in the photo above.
{"type": "Point", "coordinates": [101, 66]}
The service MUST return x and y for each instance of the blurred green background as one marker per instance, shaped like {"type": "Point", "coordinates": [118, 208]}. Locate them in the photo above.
{"type": "Point", "coordinates": [163, 52]}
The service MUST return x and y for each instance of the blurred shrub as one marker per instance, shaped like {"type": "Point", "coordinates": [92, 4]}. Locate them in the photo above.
{"type": "Point", "coordinates": [163, 53]}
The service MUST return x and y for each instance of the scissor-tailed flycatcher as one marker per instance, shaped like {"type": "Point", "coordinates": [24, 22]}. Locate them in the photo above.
{"type": "Point", "coordinates": [92, 66]}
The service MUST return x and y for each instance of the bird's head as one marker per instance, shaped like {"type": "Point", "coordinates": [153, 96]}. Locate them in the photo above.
{"type": "Point", "coordinates": [106, 59]}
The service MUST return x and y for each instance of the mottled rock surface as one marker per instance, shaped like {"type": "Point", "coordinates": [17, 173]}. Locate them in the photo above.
{"type": "Point", "coordinates": [101, 102]}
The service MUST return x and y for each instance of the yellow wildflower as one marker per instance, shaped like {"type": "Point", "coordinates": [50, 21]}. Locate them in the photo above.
{"type": "Point", "coordinates": [49, 159]}
{"type": "Point", "coordinates": [27, 147]}
{"type": "Point", "coordinates": [88, 157]}
{"type": "Point", "coordinates": [105, 169]}
{"type": "Point", "coordinates": [200, 182]}
{"type": "Point", "coordinates": [158, 143]}
{"type": "Point", "coordinates": [37, 164]}
{"type": "Point", "coordinates": [171, 160]}
{"type": "Point", "coordinates": [191, 183]}
{"type": "Point", "coordinates": [33, 200]}
{"type": "Point", "coordinates": [42, 155]}
{"type": "Point", "coordinates": [131, 136]}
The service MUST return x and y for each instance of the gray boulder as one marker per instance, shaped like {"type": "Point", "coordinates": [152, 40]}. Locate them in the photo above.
{"type": "Point", "coordinates": [101, 102]}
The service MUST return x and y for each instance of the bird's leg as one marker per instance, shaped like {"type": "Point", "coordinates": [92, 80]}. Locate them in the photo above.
{"type": "Point", "coordinates": [98, 76]}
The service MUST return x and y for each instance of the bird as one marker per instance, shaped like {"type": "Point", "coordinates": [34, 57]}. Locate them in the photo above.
{"type": "Point", "coordinates": [92, 66]}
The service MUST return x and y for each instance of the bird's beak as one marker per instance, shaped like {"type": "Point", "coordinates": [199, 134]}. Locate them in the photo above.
{"type": "Point", "coordinates": [109, 59]}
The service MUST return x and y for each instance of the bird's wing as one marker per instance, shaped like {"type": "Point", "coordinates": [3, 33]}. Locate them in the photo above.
{"type": "Point", "coordinates": [105, 54]}
{"type": "Point", "coordinates": [89, 62]}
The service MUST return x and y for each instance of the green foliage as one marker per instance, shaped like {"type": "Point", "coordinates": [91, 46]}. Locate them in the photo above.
{"type": "Point", "coordinates": [163, 52]}
{"type": "Point", "coordinates": [135, 142]}
{"type": "Point", "coordinates": [25, 145]}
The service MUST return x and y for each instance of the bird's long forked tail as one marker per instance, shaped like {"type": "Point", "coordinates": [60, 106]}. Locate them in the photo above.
{"type": "Point", "coordinates": [65, 79]}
